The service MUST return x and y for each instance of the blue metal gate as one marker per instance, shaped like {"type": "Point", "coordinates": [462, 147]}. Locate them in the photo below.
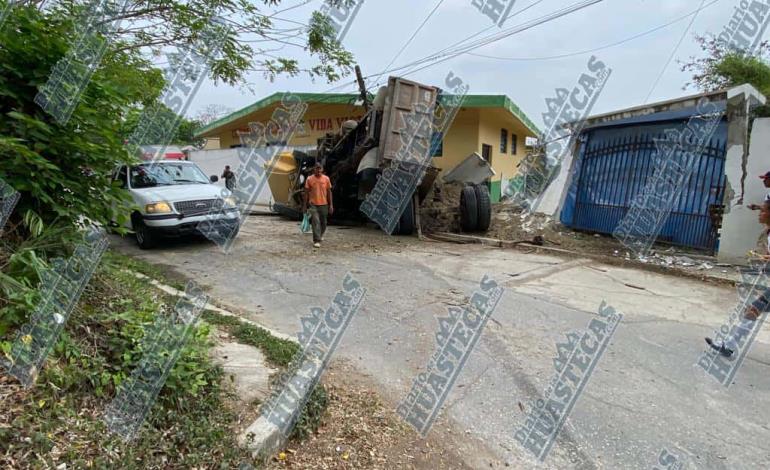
{"type": "Point", "coordinates": [613, 167]}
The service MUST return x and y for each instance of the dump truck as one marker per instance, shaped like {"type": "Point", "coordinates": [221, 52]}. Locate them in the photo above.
{"type": "Point", "coordinates": [357, 154]}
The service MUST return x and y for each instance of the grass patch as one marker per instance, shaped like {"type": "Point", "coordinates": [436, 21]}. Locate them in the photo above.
{"type": "Point", "coordinates": [278, 352]}
{"type": "Point", "coordinates": [118, 260]}
{"type": "Point", "coordinates": [59, 420]}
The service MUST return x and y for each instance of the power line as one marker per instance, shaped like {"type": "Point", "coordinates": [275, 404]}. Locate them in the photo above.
{"type": "Point", "coordinates": [496, 37]}
{"type": "Point", "coordinates": [596, 49]}
{"type": "Point", "coordinates": [419, 28]}
{"type": "Point", "coordinates": [469, 37]}
{"type": "Point", "coordinates": [673, 52]}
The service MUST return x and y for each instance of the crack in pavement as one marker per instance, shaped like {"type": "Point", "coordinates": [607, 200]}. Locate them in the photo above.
{"type": "Point", "coordinates": [547, 271]}
{"type": "Point", "coordinates": [611, 405]}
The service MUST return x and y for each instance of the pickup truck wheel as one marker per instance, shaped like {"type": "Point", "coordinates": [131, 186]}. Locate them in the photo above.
{"type": "Point", "coordinates": [469, 213]}
{"type": "Point", "coordinates": [144, 238]}
{"type": "Point", "coordinates": [484, 207]}
{"type": "Point", "coordinates": [406, 223]}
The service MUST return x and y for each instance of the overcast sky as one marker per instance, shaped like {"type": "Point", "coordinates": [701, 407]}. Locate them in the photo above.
{"type": "Point", "coordinates": [383, 26]}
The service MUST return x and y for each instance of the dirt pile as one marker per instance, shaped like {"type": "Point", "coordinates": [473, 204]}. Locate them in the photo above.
{"type": "Point", "coordinates": [440, 211]}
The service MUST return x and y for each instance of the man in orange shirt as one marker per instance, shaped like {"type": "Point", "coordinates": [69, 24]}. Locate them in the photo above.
{"type": "Point", "coordinates": [318, 188]}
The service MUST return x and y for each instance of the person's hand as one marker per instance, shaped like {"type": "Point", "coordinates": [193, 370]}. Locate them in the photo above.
{"type": "Point", "coordinates": [752, 313]}
{"type": "Point", "coordinates": [331, 210]}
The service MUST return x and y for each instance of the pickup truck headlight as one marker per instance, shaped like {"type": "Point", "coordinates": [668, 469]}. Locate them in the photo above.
{"type": "Point", "coordinates": [230, 202]}
{"type": "Point", "coordinates": [158, 208]}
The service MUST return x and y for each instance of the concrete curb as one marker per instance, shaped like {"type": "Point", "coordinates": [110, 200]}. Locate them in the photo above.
{"type": "Point", "coordinates": [262, 438]}
{"type": "Point", "coordinates": [177, 293]}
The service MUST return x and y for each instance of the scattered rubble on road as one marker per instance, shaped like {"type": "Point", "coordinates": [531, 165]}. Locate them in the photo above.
{"type": "Point", "coordinates": [440, 219]}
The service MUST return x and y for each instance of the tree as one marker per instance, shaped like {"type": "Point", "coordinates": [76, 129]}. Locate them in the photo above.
{"type": "Point", "coordinates": [723, 67]}
{"type": "Point", "coordinates": [185, 134]}
{"type": "Point", "coordinates": [63, 171]}
{"type": "Point", "coordinates": [211, 113]}
{"type": "Point", "coordinates": [152, 26]}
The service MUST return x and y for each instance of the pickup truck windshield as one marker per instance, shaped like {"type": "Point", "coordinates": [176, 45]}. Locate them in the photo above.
{"type": "Point", "coordinates": [166, 174]}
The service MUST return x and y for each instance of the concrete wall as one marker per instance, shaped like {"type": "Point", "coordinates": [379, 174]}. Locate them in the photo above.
{"type": "Point", "coordinates": [213, 162]}
{"type": "Point", "coordinates": [554, 195]}
{"type": "Point", "coordinates": [740, 227]}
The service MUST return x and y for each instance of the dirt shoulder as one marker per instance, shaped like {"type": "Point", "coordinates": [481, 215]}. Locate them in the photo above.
{"type": "Point", "coordinates": [360, 430]}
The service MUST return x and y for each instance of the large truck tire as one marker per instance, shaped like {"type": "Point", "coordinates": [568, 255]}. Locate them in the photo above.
{"type": "Point", "coordinates": [483, 207]}
{"type": "Point", "coordinates": [406, 224]}
{"type": "Point", "coordinates": [469, 213]}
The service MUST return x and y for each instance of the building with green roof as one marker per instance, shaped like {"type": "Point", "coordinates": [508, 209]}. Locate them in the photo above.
{"type": "Point", "coordinates": [491, 125]}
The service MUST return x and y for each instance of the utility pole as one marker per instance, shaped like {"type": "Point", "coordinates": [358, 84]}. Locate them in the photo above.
{"type": "Point", "coordinates": [362, 88]}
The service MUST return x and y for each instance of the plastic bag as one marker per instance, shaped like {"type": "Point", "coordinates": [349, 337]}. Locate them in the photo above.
{"type": "Point", "coordinates": [304, 227]}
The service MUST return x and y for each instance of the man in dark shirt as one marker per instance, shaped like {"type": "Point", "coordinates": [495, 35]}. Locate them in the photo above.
{"type": "Point", "coordinates": [229, 177]}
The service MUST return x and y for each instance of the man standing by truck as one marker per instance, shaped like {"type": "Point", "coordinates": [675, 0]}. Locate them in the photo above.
{"type": "Point", "coordinates": [229, 177]}
{"type": "Point", "coordinates": [318, 189]}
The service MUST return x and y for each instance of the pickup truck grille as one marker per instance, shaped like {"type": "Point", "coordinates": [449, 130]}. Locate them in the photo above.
{"type": "Point", "coordinates": [197, 207]}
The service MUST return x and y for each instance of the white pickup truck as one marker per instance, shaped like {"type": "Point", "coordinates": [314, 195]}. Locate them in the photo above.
{"type": "Point", "coordinates": [173, 197]}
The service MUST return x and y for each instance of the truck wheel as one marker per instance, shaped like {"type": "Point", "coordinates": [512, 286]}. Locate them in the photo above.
{"type": "Point", "coordinates": [469, 214]}
{"type": "Point", "coordinates": [483, 207]}
{"type": "Point", "coordinates": [406, 223]}
{"type": "Point", "coordinates": [144, 238]}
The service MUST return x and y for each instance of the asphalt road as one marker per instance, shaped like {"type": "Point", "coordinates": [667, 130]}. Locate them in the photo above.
{"type": "Point", "coordinates": [643, 396]}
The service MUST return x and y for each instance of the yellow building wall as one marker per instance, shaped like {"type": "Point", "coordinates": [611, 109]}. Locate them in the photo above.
{"type": "Point", "coordinates": [212, 143]}
{"type": "Point", "coordinates": [505, 165]}
{"type": "Point", "coordinates": [460, 140]}
{"type": "Point", "coordinates": [319, 120]}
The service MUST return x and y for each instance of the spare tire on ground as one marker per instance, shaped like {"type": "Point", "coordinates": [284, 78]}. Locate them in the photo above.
{"type": "Point", "coordinates": [469, 214]}
{"type": "Point", "coordinates": [484, 208]}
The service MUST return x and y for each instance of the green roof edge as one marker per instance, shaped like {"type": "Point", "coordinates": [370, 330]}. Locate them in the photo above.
{"type": "Point", "coordinates": [478, 101]}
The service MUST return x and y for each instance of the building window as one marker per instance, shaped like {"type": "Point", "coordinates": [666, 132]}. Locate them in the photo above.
{"type": "Point", "coordinates": [514, 144]}
{"type": "Point", "coordinates": [486, 152]}
{"type": "Point", "coordinates": [503, 141]}
{"type": "Point", "coordinates": [437, 144]}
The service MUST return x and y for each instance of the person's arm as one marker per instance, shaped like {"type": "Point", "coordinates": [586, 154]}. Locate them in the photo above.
{"type": "Point", "coordinates": [329, 198]}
